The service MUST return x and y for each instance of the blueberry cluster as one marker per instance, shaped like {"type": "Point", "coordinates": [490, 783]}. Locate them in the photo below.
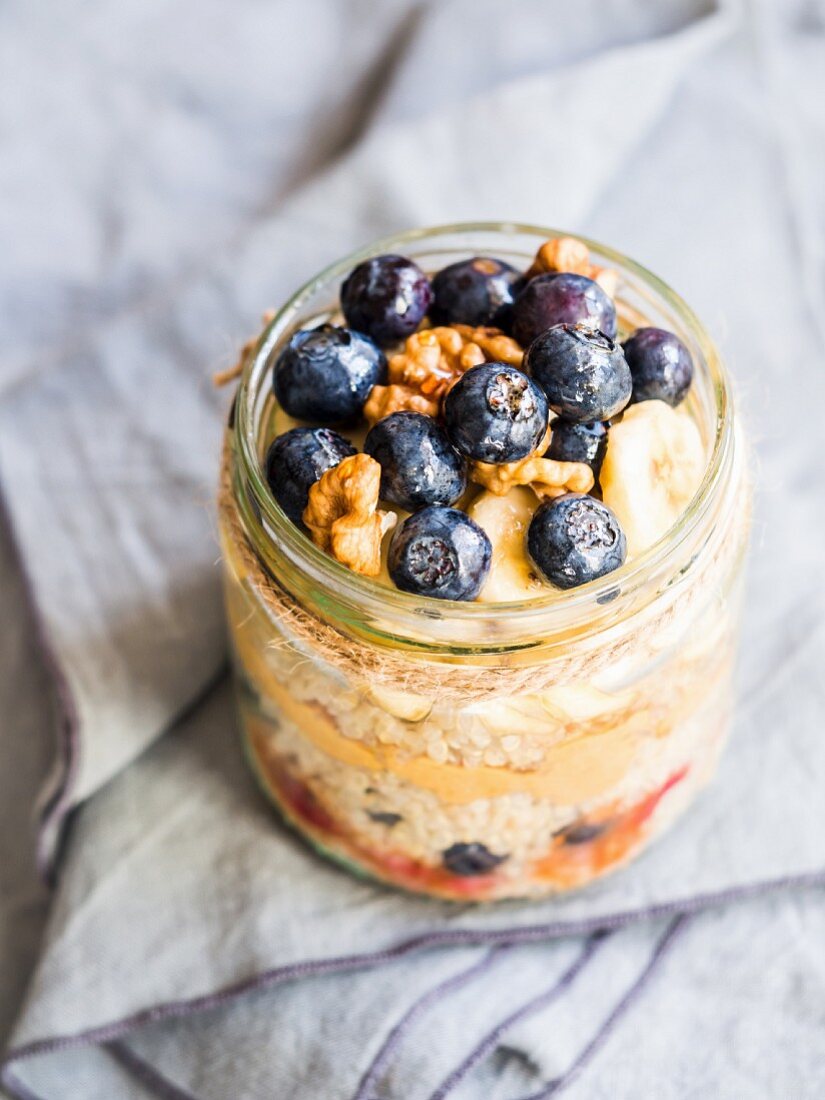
{"type": "Point", "coordinates": [574, 375]}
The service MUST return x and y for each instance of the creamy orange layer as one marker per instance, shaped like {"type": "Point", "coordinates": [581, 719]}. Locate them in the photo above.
{"type": "Point", "coordinates": [576, 771]}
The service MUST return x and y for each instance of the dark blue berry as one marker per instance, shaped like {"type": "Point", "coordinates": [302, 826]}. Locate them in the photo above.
{"type": "Point", "coordinates": [440, 552]}
{"type": "Point", "coordinates": [418, 463]}
{"type": "Point", "coordinates": [295, 461]}
{"type": "Point", "coordinates": [575, 441]}
{"type": "Point", "coordinates": [561, 299]}
{"type": "Point", "coordinates": [386, 297]}
{"type": "Point", "coordinates": [575, 539]}
{"type": "Point", "coordinates": [583, 832]}
{"type": "Point", "coordinates": [660, 365]}
{"type": "Point", "coordinates": [480, 291]}
{"type": "Point", "coordinates": [470, 859]}
{"type": "Point", "coordinates": [326, 373]}
{"type": "Point", "coordinates": [583, 373]}
{"type": "Point", "coordinates": [383, 817]}
{"type": "Point", "coordinates": [495, 413]}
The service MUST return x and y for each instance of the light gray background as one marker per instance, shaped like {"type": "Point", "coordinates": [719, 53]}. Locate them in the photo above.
{"type": "Point", "coordinates": [168, 170]}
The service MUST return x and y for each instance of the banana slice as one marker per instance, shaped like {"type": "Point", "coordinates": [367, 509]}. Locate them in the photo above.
{"type": "Point", "coordinates": [520, 715]}
{"type": "Point", "coordinates": [582, 702]}
{"type": "Point", "coordinates": [654, 464]}
{"type": "Point", "coordinates": [505, 520]}
{"type": "Point", "coordinates": [401, 704]}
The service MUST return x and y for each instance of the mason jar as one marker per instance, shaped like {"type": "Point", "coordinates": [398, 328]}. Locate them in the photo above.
{"type": "Point", "coordinates": [483, 750]}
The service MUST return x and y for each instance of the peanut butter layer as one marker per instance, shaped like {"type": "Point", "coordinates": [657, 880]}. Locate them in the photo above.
{"type": "Point", "coordinates": [577, 771]}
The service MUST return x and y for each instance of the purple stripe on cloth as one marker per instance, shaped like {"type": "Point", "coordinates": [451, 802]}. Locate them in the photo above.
{"type": "Point", "coordinates": [438, 938]}
{"type": "Point", "coordinates": [552, 1088]}
{"type": "Point", "coordinates": [415, 1012]}
{"type": "Point", "coordinates": [147, 1074]}
{"type": "Point", "coordinates": [535, 1004]}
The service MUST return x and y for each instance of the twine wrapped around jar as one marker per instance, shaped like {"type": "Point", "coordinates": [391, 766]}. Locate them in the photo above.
{"type": "Point", "coordinates": [461, 680]}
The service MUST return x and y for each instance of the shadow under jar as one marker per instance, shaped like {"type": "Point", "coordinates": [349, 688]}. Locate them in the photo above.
{"type": "Point", "coordinates": [484, 750]}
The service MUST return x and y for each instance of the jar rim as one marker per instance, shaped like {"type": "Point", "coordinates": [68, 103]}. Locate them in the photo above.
{"type": "Point", "coordinates": [586, 603]}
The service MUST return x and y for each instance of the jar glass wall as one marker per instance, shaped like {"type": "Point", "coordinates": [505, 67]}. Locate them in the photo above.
{"type": "Point", "coordinates": [482, 750]}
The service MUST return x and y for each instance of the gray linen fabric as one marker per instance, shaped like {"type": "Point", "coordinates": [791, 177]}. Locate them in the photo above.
{"type": "Point", "coordinates": [211, 157]}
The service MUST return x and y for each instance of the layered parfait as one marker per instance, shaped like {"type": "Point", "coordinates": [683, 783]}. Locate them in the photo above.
{"type": "Point", "coordinates": [500, 435]}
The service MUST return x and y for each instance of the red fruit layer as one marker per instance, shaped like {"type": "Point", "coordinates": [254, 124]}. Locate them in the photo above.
{"type": "Point", "coordinates": [565, 866]}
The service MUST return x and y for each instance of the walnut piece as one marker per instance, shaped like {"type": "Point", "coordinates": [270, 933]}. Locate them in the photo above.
{"type": "Point", "coordinates": [497, 347]}
{"type": "Point", "coordinates": [569, 254]}
{"type": "Point", "coordinates": [342, 514]}
{"type": "Point", "coordinates": [384, 400]}
{"type": "Point", "coordinates": [432, 360]}
{"type": "Point", "coordinates": [545, 476]}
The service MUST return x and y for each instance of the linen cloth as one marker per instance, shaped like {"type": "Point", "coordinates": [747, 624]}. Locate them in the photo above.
{"type": "Point", "coordinates": [211, 157]}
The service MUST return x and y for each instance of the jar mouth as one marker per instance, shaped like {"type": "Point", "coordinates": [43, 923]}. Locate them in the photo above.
{"type": "Point", "coordinates": [327, 578]}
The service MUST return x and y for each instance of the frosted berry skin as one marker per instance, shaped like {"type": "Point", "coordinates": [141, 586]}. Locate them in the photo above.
{"type": "Point", "coordinates": [386, 297]}
{"type": "Point", "coordinates": [326, 374]}
{"type": "Point", "coordinates": [418, 464]}
{"type": "Point", "coordinates": [297, 459]}
{"type": "Point", "coordinates": [583, 373]}
{"type": "Point", "coordinates": [495, 413]}
{"type": "Point", "coordinates": [480, 291]}
{"type": "Point", "coordinates": [574, 441]}
{"type": "Point", "coordinates": [660, 365]}
{"type": "Point", "coordinates": [575, 539]}
{"type": "Point", "coordinates": [561, 299]}
{"type": "Point", "coordinates": [441, 553]}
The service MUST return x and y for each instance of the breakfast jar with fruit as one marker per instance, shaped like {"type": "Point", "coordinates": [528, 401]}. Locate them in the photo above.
{"type": "Point", "coordinates": [484, 510]}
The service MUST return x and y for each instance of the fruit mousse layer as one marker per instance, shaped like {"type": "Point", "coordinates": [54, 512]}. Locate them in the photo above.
{"type": "Point", "coordinates": [484, 435]}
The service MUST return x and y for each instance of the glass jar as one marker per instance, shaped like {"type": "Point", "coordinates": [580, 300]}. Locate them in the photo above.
{"type": "Point", "coordinates": [484, 750]}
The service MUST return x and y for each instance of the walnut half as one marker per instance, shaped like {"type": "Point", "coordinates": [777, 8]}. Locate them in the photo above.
{"type": "Point", "coordinates": [545, 476]}
{"type": "Point", "coordinates": [432, 360]}
{"type": "Point", "coordinates": [384, 400]}
{"type": "Point", "coordinates": [569, 254]}
{"type": "Point", "coordinates": [342, 514]}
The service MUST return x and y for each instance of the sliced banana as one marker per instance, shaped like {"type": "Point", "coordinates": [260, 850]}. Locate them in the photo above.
{"type": "Point", "coordinates": [505, 520]}
{"type": "Point", "coordinates": [582, 702]}
{"type": "Point", "coordinates": [402, 704]}
{"type": "Point", "coordinates": [654, 464]}
{"type": "Point", "coordinates": [522, 714]}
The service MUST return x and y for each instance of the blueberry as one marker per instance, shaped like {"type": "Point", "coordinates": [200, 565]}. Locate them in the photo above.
{"type": "Point", "coordinates": [495, 413]}
{"type": "Point", "coordinates": [576, 441]}
{"type": "Point", "coordinates": [660, 365]}
{"type": "Point", "coordinates": [386, 297]}
{"type": "Point", "coordinates": [383, 817]}
{"type": "Point", "coordinates": [583, 373]}
{"type": "Point", "coordinates": [480, 291]}
{"type": "Point", "coordinates": [418, 463]}
{"type": "Point", "coordinates": [326, 373]}
{"type": "Point", "coordinates": [582, 832]}
{"type": "Point", "coordinates": [470, 859]}
{"type": "Point", "coordinates": [295, 461]}
{"type": "Point", "coordinates": [575, 539]}
{"type": "Point", "coordinates": [561, 299]}
{"type": "Point", "coordinates": [440, 552]}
